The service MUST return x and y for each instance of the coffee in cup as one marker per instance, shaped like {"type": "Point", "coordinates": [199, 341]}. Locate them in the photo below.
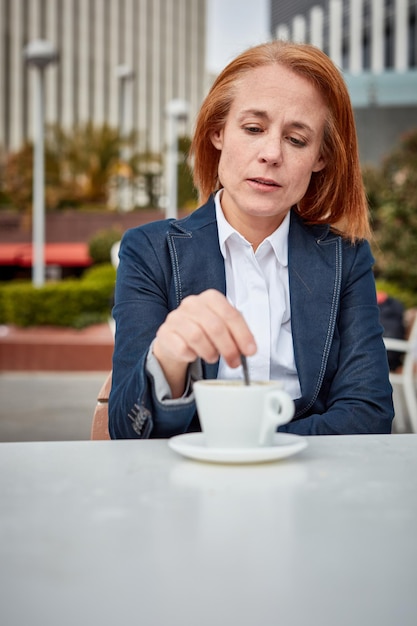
{"type": "Point", "coordinates": [235, 415]}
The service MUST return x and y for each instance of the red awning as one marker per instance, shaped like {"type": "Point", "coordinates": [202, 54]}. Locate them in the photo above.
{"type": "Point", "coordinates": [62, 254]}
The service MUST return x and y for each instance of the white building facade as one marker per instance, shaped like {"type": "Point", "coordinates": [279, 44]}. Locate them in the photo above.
{"type": "Point", "coordinates": [160, 42]}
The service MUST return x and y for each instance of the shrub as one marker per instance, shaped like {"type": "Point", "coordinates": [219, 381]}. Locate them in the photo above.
{"type": "Point", "coordinates": [75, 303]}
{"type": "Point", "coordinates": [103, 272]}
{"type": "Point", "coordinates": [392, 193]}
{"type": "Point", "coordinates": [100, 245]}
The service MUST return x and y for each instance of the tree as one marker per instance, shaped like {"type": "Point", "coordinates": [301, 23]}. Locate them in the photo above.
{"type": "Point", "coordinates": [78, 167]}
{"type": "Point", "coordinates": [18, 179]}
{"type": "Point", "coordinates": [148, 166]}
{"type": "Point", "coordinates": [88, 157]}
{"type": "Point", "coordinates": [187, 193]}
{"type": "Point", "coordinates": [94, 160]}
{"type": "Point", "coordinates": [392, 190]}
{"type": "Point", "coordinates": [88, 164]}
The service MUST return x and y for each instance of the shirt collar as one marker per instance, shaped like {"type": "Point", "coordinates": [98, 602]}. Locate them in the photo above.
{"type": "Point", "coordinates": [278, 239]}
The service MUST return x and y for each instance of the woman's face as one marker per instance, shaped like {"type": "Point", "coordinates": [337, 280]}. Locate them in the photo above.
{"type": "Point", "coordinates": [270, 145]}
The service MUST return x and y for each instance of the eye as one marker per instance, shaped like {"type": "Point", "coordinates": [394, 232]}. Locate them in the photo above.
{"type": "Point", "coordinates": [253, 130]}
{"type": "Point", "coordinates": [296, 141]}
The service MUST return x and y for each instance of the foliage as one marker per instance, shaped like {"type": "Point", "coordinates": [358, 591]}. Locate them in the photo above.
{"type": "Point", "coordinates": [18, 179]}
{"type": "Point", "coordinates": [103, 272]}
{"type": "Point", "coordinates": [187, 193]}
{"type": "Point", "coordinates": [99, 246]}
{"type": "Point", "coordinates": [83, 166]}
{"type": "Point", "coordinates": [4, 199]}
{"type": "Point", "coordinates": [392, 193]}
{"type": "Point", "coordinates": [407, 298]}
{"type": "Point", "coordinates": [75, 303]}
{"type": "Point", "coordinates": [148, 165]}
{"type": "Point", "coordinates": [88, 156]}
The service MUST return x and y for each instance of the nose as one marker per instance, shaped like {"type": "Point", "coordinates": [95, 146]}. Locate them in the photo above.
{"type": "Point", "coordinates": [271, 151]}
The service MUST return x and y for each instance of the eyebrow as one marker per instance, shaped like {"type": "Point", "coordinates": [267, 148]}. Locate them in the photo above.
{"type": "Point", "coordinates": [264, 115]}
{"type": "Point", "coordinates": [255, 113]}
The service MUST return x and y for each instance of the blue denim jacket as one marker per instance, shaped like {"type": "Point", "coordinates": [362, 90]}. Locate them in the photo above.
{"type": "Point", "coordinates": [339, 352]}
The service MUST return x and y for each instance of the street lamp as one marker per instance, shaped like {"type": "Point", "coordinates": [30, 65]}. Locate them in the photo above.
{"type": "Point", "coordinates": [177, 110]}
{"type": "Point", "coordinates": [125, 75]}
{"type": "Point", "coordinates": [39, 54]}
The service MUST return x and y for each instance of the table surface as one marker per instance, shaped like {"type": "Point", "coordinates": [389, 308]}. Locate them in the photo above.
{"type": "Point", "coordinates": [112, 532]}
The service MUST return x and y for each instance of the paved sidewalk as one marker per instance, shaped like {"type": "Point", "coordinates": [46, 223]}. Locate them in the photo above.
{"type": "Point", "coordinates": [39, 406]}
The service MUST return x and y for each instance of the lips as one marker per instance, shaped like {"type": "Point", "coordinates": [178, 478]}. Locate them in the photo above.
{"type": "Point", "coordinates": [265, 181]}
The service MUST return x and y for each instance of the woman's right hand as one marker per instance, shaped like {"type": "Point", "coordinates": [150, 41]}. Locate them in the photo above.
{"type": "Point", "coordinates": [204, 326]}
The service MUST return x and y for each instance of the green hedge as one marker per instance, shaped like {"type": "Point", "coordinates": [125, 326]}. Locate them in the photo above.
{"type": "Point", "coordinates": [75, 303]}
{"type": "Point", "coordinates": [100, 245]}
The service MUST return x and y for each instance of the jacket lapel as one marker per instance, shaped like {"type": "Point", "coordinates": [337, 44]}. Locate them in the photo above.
{"type": "Point", "coordinates": [315, 267]}
{"type": "Point", "coordinates": [196, 259]}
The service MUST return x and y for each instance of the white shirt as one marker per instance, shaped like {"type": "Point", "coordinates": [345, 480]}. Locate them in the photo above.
{"type": "Point", "coordinates": [257, 285]}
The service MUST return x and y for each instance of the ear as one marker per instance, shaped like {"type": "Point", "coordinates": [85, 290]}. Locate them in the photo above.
{"type": "Point", "coordinates": [319, 164]}
{"type": "Point", "coordinates": [217, 139]}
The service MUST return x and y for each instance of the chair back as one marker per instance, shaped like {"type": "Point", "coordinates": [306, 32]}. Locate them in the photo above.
{"type": "Point", "coordinates": [404, 379]}
{"type": "Point", "coordinates": [100, 424]}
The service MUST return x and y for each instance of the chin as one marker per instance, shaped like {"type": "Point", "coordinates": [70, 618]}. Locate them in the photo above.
{"type": "Point", "coordinates": [269, 212]}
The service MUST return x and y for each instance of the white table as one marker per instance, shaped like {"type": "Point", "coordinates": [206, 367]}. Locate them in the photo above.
{"type": "Point", "coordinates": [117, 533]}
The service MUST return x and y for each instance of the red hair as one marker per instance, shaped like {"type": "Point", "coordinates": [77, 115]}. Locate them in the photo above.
{"type": "Point", "coordinates": [336, 194]}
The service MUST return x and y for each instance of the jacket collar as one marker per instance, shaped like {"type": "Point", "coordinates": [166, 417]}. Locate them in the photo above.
{"type": "Point", "coordinates": [206, 215]}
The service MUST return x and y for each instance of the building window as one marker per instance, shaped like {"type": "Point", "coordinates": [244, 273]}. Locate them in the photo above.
{"type": "Point", "coordinates": [366, 51]}
{"type": "Point", "coordinates": [412, 38]}
{"type": "Point", "coordinates": [389, 46]}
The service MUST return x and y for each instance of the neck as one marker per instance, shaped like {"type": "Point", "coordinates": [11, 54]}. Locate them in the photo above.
{"type": "Point", "coordinates": [257, 232]}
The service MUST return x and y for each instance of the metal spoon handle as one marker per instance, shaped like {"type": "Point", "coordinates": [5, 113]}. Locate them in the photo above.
{"type": "Point", "coordinates": [245, 369]}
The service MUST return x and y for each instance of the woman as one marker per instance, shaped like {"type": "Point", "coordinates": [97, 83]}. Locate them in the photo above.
{"type": "Point", "coordinates": [275, 265]}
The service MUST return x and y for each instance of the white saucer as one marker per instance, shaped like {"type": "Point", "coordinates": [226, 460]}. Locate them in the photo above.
{"type": "Point", "coordinates": [192, 445]}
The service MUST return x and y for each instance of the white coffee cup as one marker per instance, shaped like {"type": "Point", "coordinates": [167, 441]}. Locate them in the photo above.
{"type": "Point", "coordinates": [235, 415]}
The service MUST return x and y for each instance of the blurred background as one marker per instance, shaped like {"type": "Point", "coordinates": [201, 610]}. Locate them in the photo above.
{"type": "Point", "coordinates": [97, 105]}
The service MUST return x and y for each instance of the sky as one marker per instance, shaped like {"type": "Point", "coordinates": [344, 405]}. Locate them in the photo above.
{"type": "Point", "coordinates": [233, 26]}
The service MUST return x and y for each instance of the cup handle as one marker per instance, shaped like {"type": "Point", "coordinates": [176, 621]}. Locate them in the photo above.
{"type": "Point", "coordinates": [278, 410]}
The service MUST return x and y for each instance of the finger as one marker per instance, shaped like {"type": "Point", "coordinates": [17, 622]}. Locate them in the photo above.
{"type": "Point", "coordinates": [234, 321]}
{"type": "Point", "coordinates": [186, 340]}
{"type": "Point", "coordinates": [219, 322]}
{"type": "Point", "coordinates": [171, 346]}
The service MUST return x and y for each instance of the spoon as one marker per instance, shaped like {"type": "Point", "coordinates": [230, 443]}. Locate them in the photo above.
{"type": "Point", "coordinates": [245, 369]}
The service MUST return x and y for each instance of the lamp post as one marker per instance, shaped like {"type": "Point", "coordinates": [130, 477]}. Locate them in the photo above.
{"type": "Point", "coordinates": [39, 54]}
{"type": "Point", "coordinates": [177, 110]}
{"type": "Point", "coordinates": [125, 75]}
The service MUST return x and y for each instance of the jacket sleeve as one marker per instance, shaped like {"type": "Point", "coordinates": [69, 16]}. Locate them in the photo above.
{"type": "Point", "coordinates": [355, 395]}
{"type": "Point", "coordinates": [143, 299]}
